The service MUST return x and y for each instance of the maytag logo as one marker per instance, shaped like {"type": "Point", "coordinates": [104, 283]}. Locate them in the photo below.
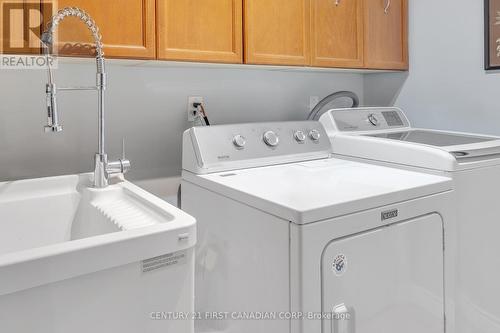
{"type": "Point", "coordinates": [223, 157]}
{"type": "Point", "coordinates": [390, 214]}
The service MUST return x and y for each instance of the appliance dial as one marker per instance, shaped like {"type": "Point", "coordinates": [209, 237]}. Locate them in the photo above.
{"type": "Point", "coordinates": [315, 135]}
{"type": "Point", "coordinates": [373, 119]}
{"type": "Point", "coordinates": [299, 136]}
{"type": "Point", "coordinates": [239, 141]}
{"type": "Point", "coordinates": [271, 139]}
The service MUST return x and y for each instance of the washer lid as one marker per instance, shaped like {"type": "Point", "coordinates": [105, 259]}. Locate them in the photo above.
{"type": "Point", "coordinates": [385, 134]}
{"type": "Point", "coordinates": [318, 190]}
{"type": "Point", "coordinates": [433, 138]}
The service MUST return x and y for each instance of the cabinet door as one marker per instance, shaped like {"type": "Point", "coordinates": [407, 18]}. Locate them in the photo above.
{"type": "Point", "coordinates": [200, 30]}
{"type": "Point", "coordinates": [277, 32]}
{"type": "Point", "coordinates": [386, 34]}
{"type": "Point", "coordinates": [127, 28]}
{"type": "Point", "coordinates": [337, 33]}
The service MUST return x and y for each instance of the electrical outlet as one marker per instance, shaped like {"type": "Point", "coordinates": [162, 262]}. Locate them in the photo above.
{"type": "Point", "coordinates": [191, 110]}
{"type": "Point", "coordinates": [313, 101]}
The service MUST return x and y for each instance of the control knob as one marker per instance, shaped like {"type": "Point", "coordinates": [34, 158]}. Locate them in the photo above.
{"type": "Point", "coordinates": [373, 119]}
{"type": "Point", "coordinates": [239, 141]}
{"type": "Point", "coordinates": [271, 139]}
{"type": "Point", "coordinates": [315, 135]}
{"type": "Point", "coordinates": [299, 136]}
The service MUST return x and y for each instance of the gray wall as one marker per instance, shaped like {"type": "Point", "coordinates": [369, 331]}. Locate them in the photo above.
{"type": "Point", "coordinates": [147, 105]}
{"type": "Point", "coordinates": [447, 86]}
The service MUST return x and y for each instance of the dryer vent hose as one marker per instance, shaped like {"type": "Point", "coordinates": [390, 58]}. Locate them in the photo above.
{"type": "Point", "coordinates": [318, 111]}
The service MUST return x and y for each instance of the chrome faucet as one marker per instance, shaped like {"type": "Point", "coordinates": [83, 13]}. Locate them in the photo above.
{"type": "Point", "coordinates": [103, 168]}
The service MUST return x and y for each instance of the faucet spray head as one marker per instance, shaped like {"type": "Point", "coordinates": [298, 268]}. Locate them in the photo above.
{"type": "Point", "coordinates": [53, 129]}
{"type": "Point", "coordinates": [52, 115]}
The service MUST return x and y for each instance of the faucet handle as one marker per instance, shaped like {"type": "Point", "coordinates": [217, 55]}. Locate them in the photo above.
{"type": "Point", "coordinates": [123, 148]}
{"type": "Point", "coordinates": [126, 165]}
{"type": "Point", "coordinates": [121, 166]}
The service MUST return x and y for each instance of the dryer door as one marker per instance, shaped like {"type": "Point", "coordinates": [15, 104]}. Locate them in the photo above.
{"type": "Point", "coordinates": [389, 280]}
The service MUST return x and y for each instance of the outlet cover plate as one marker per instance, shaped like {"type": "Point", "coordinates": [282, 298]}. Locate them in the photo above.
{"type": "Point", "coordinates": [191, 110]}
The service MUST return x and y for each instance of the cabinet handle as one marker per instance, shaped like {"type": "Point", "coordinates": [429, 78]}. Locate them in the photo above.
{"type": "Point", "coordinates": [387, 6]}
{"type": "Point", "coordinates": [337, 2]}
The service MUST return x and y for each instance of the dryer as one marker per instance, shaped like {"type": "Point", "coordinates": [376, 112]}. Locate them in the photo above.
{"type": "Point", "coordinates": [385, 136]}
{"type": "Point", "coordinates": [291, 240]}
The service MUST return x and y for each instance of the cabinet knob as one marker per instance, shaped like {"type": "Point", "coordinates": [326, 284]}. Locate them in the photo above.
{"type": "Point", "coordinates": [337, 2]}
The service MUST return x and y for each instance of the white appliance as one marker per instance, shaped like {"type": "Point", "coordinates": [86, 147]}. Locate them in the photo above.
{"type": "Point", "coordinates": [385, 136]}
{"type": "Point", "coordinates": [291, 240]}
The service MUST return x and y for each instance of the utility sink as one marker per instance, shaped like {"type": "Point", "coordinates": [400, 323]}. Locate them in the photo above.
{"type": "Point", "coordinates": [64, 241]}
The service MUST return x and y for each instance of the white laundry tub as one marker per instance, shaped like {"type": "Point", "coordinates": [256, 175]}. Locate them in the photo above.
{"type": "Point", "coordinates": [76, 259]}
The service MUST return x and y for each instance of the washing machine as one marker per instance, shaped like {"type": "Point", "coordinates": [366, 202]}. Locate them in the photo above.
{"type": "Point", "coordinates": [385, 136]}
{"type": "Point", "coordinates": [291, 240]}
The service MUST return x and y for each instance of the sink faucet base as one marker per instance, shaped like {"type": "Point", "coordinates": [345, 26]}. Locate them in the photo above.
{"type": "Point", "coordinates": [100, 173]}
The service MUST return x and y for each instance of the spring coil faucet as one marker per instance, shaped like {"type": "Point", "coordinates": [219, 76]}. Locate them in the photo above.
{"type": "Point", "coordinates": [103, 168]}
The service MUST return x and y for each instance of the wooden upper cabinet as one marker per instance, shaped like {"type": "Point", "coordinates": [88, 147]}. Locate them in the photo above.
{"type": "Point", "coordinates": [200, 30]}
{"type": "Point", "coordinates": [127, 28]}
{"type": "Point", "coordinates": [386, 34]}
{"type": "Point", "coordinates": [337, 33]}
{"type": "Point", "coordinates": [277, 32]}
{"type": "Point", "coordinates": [369, 34]}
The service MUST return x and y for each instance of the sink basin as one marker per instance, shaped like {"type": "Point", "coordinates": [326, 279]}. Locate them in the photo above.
{"type": "Point", "coordinates": [79, 259]}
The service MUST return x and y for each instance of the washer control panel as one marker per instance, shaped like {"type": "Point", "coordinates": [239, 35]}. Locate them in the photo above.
{"type": "Point", "coordinates": [365, 119]}
{"type": "Point", "coordinates": [221, 147]}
